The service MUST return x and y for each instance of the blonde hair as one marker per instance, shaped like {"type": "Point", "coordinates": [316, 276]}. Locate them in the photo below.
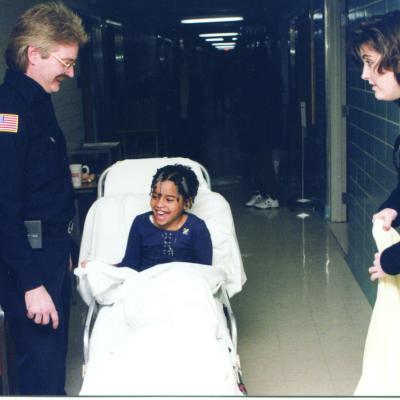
{"type": "Point", "coordinates": [44, 26]}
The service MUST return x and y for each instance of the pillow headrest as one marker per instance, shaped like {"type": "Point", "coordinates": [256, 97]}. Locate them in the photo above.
{"type": "Point", "coordinates": [134, 176]}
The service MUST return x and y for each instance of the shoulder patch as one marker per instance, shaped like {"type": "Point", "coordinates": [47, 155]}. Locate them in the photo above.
{"type": "Point", "coordinates": [9, 123]}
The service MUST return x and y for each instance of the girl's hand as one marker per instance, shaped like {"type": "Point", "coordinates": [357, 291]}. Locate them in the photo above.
{"type": "Point", "coordinates": [84, 263]}
{"type": "Point", "coordinates": [387, 215]}
{"type": "Point", "coordinates": [376, 270]}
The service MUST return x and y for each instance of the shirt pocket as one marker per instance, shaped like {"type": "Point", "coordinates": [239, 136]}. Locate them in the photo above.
{"type": "Point", "coordinates": [57, 158]}
{"type": "Point", "coordinates": [44, 165]}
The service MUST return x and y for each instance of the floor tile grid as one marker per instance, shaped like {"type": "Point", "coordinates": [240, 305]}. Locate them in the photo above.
{"type": "Point", "coordinates": [325, 382]}
{"type": "Point", "coordinates": [305, 367]}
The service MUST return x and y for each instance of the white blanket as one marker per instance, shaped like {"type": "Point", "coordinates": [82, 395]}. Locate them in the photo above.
{"type": "Point", "coordinates": [157, 333]}
{"type": "Point", "coordinates": [381, 363]}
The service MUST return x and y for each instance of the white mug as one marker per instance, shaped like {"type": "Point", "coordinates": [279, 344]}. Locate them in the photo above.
{"type": "Point", "coordinates": [76, 174]}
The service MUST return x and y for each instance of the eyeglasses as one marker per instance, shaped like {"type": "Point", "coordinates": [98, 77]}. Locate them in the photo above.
{"type": "Point", "coordinates": [67, 66]}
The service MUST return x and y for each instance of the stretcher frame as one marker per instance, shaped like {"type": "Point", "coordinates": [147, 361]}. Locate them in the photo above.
{"type": "Point", "coordinates": [221, 295]}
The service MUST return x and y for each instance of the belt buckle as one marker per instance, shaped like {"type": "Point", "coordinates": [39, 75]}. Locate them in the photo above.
{"type": "Point", "coordinates": [70, 227]}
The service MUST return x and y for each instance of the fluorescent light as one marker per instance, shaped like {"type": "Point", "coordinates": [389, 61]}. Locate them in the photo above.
{"type": "Point", "coordinates": [234, 38]}
{"type": "Point", "coordinates": [213, 19]}
{"type": "Point", "coordinates": [218, 34]}
{"type": "Point", "coordinates": [224, 47]}
{"type": "Point", "coordinates": [215, 39]}
{"type": "Point", "coordinates": [224, 44]}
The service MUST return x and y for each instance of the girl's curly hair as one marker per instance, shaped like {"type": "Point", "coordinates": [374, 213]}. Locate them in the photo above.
{"type": "Point", "coordinates": [184, 178]}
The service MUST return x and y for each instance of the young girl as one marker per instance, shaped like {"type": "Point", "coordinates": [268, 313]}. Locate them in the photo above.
{"type": "Point", "coordinates": [377, 44]}
{"type": "Point", "coordinates": [168, 233]}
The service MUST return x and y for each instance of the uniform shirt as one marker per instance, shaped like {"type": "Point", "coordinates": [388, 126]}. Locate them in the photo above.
{"type": "Point", "coordinates": [148, 245]}
{"type": "Point", "coordinates": [35, 181]}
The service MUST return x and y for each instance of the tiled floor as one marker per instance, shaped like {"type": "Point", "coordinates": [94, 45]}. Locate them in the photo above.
{"type": "Point", "coordinates": [302, 318]}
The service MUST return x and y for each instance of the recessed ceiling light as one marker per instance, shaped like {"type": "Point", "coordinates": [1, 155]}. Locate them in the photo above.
{"type": "Point", "coordinates": [210, 20]}
{"type": "Point", "coordinates": [225, 48]}
{"type": "Point", "coordinates": [223, 34]}
{"type": "Point", "coordinates": [224, 44]}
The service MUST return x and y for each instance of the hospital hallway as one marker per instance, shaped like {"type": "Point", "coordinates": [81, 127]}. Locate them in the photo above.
{"type": "Point", "coordinates": [245, 88]}
{"type": "Point", "coordinates": [302, 318]}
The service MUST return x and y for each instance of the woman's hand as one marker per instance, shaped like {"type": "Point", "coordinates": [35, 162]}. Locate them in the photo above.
{"type": "Point", "coordinates": [376, 270]}
{"type": "Point", "coordinates": [84, 263]}
{"type": "Point", "coordinates": [387, 215]}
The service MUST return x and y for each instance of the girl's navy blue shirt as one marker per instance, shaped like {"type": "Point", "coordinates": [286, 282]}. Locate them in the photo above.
{"type": "Point", "coordinates": [149, 245]}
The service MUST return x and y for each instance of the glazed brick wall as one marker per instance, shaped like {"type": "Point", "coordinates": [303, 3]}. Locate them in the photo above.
{"type": "Point", "coordinates": [372, 129]}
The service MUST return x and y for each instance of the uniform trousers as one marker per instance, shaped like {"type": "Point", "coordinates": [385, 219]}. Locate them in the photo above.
{"type": "Point", "coordinates": [41, 350]}
{"type": "Point", "coordinates": [259, 169]}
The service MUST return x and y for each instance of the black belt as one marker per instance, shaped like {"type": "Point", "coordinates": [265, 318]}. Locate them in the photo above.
{"type": "Point", "coordinates": [58, 230]}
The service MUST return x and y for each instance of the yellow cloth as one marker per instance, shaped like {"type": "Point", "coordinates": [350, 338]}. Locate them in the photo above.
{"type": "Point", "coordinates": [381, 363]}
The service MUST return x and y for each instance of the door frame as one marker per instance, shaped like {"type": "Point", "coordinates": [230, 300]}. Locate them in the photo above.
{"type": "Point", "coordinates": [335, 89]}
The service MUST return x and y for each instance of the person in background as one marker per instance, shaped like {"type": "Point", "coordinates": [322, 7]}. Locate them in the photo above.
{"type": "Point", "coordinates": [261, 127]}
{"type": "Point", "coordinates": [377, 45]}
{"type": "Point", "coordinates": [36, 195]}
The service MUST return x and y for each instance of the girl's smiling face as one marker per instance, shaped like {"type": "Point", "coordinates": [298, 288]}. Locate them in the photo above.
{"type": "Point", "coordinates": [384, 84]}
{"type": "Point", "coordinates": [167, 206]}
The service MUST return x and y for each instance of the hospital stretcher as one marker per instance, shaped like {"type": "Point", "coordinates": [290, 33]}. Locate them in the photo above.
{"type": "Point", "coordinates": [168, 330]}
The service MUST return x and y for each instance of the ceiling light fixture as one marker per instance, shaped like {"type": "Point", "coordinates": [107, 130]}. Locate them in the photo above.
{"type": "Point", "coordinates": [223, 34]}
{"type": "Point", "coordinates": [211, 20]}
{"type": "Point", "coordinates": [216, 39]}
{"type": "Point", "coordinates": [224, 44]}
{"type": "Point", "coordinates": [225, 48]}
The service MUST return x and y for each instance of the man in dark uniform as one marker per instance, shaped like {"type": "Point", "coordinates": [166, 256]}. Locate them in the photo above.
{"type": "Point", "coordinates": [36, 195]}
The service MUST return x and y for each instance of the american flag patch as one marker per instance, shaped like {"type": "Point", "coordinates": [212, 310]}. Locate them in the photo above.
{"type": "Point", "coordinates": [9, 123]}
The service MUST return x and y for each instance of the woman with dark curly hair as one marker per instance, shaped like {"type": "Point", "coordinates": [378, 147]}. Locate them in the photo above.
{"type": "Point", "coordinates": [377, 45]}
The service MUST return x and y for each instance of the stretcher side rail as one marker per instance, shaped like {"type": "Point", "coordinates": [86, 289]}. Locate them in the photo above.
{"type": "Point", "coordinates": [91, 313]}
{"type": "Point", "coordinates": [101, 182]}
{"type": "Point", "coordinates": [223, 297]}
{"type": "Point", "coordinates": [3, 354]}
